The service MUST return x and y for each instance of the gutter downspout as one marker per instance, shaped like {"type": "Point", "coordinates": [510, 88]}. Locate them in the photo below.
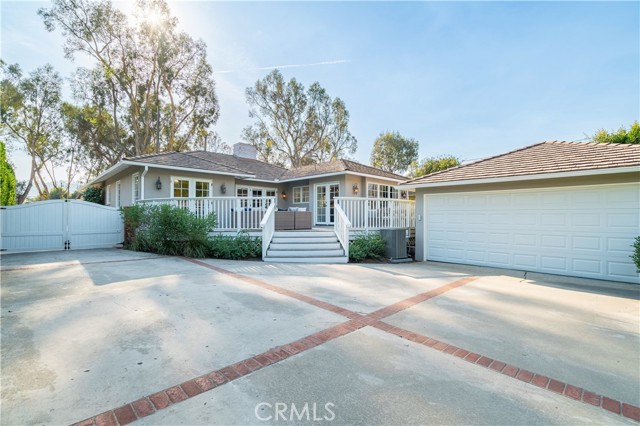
{"type": "Point", "coordinates": [146, 169]}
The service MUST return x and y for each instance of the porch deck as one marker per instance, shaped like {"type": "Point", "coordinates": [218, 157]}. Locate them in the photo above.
{"type": "Point", "coordinates": [315, 244]}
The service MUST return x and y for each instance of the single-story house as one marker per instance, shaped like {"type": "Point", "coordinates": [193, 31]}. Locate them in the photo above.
{"type": "Point", "coordinates": [564, 208]}
{"type": "Point", "coordinates": [239, 189]}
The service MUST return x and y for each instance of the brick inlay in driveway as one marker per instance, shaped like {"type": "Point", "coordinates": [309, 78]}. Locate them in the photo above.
{"type": "Point", "coordinates": [160, 400]}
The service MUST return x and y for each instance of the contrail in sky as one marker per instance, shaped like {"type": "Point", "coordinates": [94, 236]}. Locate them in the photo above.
{"type": "Point", "coordinates": [339, 61]}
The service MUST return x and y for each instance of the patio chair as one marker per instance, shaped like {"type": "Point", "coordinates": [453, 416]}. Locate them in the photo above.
{"type": "Point", "coordinates": [302, 220]}
{"type": "Point", "coordinates": [284, 220]}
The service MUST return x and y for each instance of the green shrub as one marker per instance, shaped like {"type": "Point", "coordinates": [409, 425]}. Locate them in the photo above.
{"type": "Point", "coordinates": [167, 230]}
{"type": "Point", "coordinates": [366, 246]}
{"type": "Point", "coordinates": [242, 246]}
{"type": "Point", "coordinates": [93, 194]}
{"type": "Point", "coordinates": [134, 217]}
{"type": "Point", "coordinates": [636, 253]}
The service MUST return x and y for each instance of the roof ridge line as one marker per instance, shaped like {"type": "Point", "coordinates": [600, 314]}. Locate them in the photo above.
{"type": "Point", "coordinates": [243, 158]}
{"type": "Point", "coordinates": [219, 164]}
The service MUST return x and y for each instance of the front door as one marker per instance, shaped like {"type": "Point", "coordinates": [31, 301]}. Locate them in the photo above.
{"type": "Point", "coordinates": [325, 199]}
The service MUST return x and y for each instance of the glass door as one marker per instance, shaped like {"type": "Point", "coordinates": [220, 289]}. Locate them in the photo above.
{"type": "Point", "coordinates": [325, 203]}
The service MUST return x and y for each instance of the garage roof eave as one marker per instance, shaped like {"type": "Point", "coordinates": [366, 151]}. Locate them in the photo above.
{"type": "Point", "coordinates": [557, 175]}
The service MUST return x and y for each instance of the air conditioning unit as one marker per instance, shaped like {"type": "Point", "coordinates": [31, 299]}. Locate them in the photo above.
{"type": "Point", "coordinates": [395, 244]}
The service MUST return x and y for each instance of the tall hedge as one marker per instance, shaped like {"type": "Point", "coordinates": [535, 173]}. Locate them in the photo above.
{"type": "Point", "coordinates": [7, 179]}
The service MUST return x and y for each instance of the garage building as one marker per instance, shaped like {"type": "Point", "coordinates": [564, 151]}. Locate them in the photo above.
{"type": "Point", "coordinates": [563, 208]}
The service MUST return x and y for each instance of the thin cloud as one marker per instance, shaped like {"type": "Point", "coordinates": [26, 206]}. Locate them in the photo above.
{"type": "Point", "coordinates": [314, 64]}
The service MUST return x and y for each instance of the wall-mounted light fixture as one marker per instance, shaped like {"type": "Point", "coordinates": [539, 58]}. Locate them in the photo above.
{"type": "Point", "coordinates": [223, 188]}
{"type": "Point", "coordinates": [284, 195]}
{"type": "Point", "coordinates": [355, 188]}
{"type": "Point", "coordinates": [158, 184]}
{"type": "Point", "coordinates": [403, 194]}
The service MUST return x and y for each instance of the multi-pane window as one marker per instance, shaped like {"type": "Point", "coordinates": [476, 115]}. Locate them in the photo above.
{"type": "Point", "coordinates": [256, 194]}
{"type": "Point", "coordinates": [384, 191]}
{"type": "Point", "coordinates": [202, 189]}
{"type": "Point", "coordinates": [300, 194]}
{"type": "Point", "coordinates": [181, 188]}
{"type": "Point", "coordinates": [375, 190]}
{"type": "Point", "coordinates": [135, 187]}
{"type": "Point", "coordinates": [118, 194]}
{"type": "Point", "coordinates": [372, 190]}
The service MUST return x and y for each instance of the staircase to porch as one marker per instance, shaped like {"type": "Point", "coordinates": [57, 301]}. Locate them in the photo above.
{"type": "Point", "coordinates": [312, 246]}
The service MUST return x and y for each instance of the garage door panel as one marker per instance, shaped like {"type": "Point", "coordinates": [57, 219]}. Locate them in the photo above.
{"type": "Point", "coordinates": [499, 258]}
{"type": "Point", "coordinates": [499, 219]}
{"type": "Point", "coordinates": [524, 200]}
{"type": "Point", "coordinates": [499, 238]}
{"type": "Point", "coordinates": [623, 221]}
{"type": "Point", "coordinates": [586, 219]}
{"type": "Point", "coordinates": [525, 219]}
{"type": "Point", "coordinates": [553, 241]}
{"type": "Point", "coordinates": [525, 260]}
{"type": "Point", "coordinates": [586, 243]}
{"type": "Point", "coordinates": [557, 264]}
{"type": "Point", "coordinates": [585, 197]}
{"type": "Point", "coordinates": [499, 200]}
{"type": "Point", "coordinates": [476, 255]}
{"type": "Point", "coordinates": [553, 219]}
{"type": "Point", "coordinates": [621, 270]}
{"type": "Point", "coordinates": [624, 197]}
{"type": "Point", "coordinates": [585, 232]}
{"type": "Point", "coordinates": [619, 244]}
{"type": "Point", "coordinates": [587, 266]}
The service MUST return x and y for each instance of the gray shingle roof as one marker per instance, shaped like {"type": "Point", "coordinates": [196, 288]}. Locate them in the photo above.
{"type": "Point", "coordinates": [225, 163]}
{"type": "Point", "coordinates": [186, 160]}
{"type": "Point", "coordinates": [260, 169]}
{"type": "Point", "coordinates": [541, 158]}
{"type": "Point", "coordinates": [336, 167]}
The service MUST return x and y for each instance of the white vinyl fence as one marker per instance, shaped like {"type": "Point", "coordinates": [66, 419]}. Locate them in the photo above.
{"type": "Point", "coordinates": [59, 225]}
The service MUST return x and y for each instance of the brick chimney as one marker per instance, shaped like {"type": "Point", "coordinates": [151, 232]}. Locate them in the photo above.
{"type": "Point", "coordinates": [245, 150]}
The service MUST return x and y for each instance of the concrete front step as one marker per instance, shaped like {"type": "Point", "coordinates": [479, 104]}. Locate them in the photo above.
{"type": "Point", "coordinates": [323, 260]}
{"type": "Point", "coordinates": [305, 234]}
{"type": "Point", "coordinates": [301, 240]}
{"type": "Point", "coordinates": [306, 245]}
{"type": "Point", "coordinates": [305, 253]}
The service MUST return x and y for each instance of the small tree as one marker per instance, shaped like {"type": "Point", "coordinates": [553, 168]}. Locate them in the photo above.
{"type": "Point", "coordinates": [394, 153]}
{"type": "Point", "coordinates": [622, 135]}
{"type": "Point", "coordinates": [433, 164]}
{"type": "Point", "coordinates": [93, 194]}
{"type": "Point", "coordinates": [7, 180]}
{"type": "Point", "coordinates": [636, 253]}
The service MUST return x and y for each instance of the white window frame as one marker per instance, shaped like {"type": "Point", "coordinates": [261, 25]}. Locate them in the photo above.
{"type": "Point", "coordinates": [391, 191]}
{"type": "Point", "coordinates": [118, 194]}
{"type": "Point", "coordinates": [250, 190]}
{"type": "Point", "coordinates": [300, 191]}
{"type": "Point", "coordinates": [107, 196]}
{"type": "Point", "coordinates": [192, 186]}
{"type": "Point", "coordinates": [133, 187]}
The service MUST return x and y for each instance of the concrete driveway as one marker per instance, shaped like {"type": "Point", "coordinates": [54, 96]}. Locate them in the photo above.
{"type": "Point", "coordinates": [110, 336]}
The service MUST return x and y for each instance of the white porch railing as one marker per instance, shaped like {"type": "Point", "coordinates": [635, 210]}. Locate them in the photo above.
{"type": "Point", "coordinates": [268, 225]}
{"type": "Point", "coordinates": [341, 227]}
{"type": "Point", "coordinates": [233, 213]}
{"type": "Point", "coordinates": [378, 213]}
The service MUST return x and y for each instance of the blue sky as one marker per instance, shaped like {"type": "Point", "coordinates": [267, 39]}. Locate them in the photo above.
{"type": "Point", "coordinates": [470, 79]}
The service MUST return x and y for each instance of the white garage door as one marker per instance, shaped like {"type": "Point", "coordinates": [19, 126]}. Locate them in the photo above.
{"type": "Point", "coordinates": [577, 231]}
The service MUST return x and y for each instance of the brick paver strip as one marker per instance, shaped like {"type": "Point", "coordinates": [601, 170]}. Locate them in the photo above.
{"type": "Point", "coordinates": [570, 391]}
{"type": "Point", "coordinates": [175, 394]}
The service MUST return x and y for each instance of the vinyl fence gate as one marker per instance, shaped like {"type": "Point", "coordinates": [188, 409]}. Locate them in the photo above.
{"type": "Point", "coordinates": [59, 225]}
